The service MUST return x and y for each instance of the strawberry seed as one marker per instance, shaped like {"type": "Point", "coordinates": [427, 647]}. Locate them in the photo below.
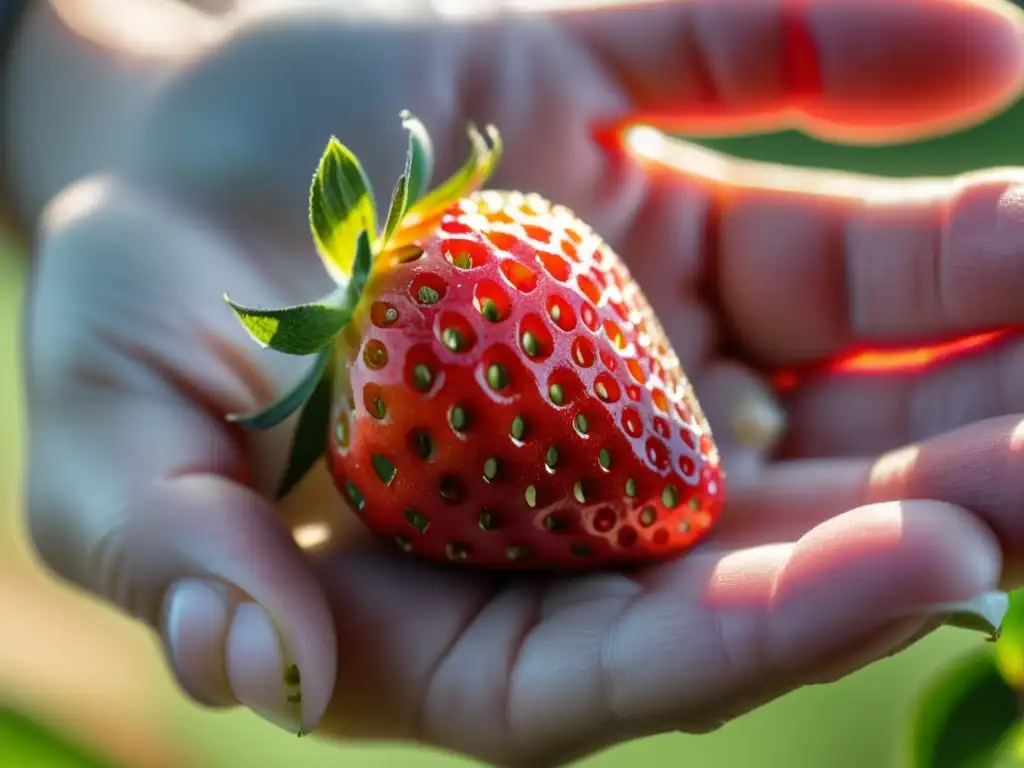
{"type": "Point", "coordinates": [517, 552]}
{"type": "Point", "coordinates": [497, 376]}
{"type": "Point", "coordinates": [422, 378]}
{"type": "Point", "coordinates": [417, 520]}
{"type": "Point", "coordinates": [490, 469]}
{"type": "Point", "coordinates": [456, 551]}
{"type": "Point", "coordinates": [670, 496]}
{"type": "Point", "coordinates": [531, 496]}
{"type": "Point", "coordinates": [487, 521]}
{"type": "Point", "coordinates": [551, 458]}
{"type": "Point", "coordinates": [458, 418]}
{"type": "Point", "coordinates": [383, 468]}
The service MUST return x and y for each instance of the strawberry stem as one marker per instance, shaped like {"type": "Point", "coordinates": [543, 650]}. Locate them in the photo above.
{"type": "Point", "coordinates": [343, 223]}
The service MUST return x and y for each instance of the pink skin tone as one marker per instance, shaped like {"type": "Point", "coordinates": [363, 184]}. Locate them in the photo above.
{"type": "Point", "coordinates": [160, 169]}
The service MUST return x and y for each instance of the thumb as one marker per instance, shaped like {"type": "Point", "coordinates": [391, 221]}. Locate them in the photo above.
{"type": "Point", "coordinates": [135, 488]}
{"type": "Point", "coordinates": [242, 615]}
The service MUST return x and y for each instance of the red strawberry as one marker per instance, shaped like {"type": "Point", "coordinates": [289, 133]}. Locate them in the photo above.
{"type": "Point", "coordinates": [491, 385]}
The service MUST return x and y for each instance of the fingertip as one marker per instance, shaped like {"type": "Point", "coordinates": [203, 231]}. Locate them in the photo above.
{"type": "Point", "coordinates": [247, 614]}
{"type": "Point", "coordinates": [945, 65]}
{"type": "Point", "coordinates": [866, 582]}
{"type": "Point", "coordinates": [897, 558]}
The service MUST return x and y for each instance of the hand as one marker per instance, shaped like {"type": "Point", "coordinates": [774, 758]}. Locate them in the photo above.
{"type": "Point", "coordinates": [834, 554]}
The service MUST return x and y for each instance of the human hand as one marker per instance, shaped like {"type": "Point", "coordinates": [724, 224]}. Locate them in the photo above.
{"type": "Point", "coordinates": [824, 561]}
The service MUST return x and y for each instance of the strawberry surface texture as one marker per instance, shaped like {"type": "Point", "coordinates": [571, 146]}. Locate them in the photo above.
{"type": "Point", "coordinates": [490, 387]}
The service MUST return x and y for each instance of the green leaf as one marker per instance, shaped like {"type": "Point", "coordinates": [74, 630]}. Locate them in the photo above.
{"type": "Point", "coordinates": [341, 206]}
{"type": "Point", "coordinates": [291, 402]}
{"type": "Point", "coordinates": [419, 165]}
{"type": "Point", "coordinates": [24, 742]}
{"type": "Point", "coordinates": [482, 161]}
{"type": "Point", "coordinates": [360, 271]}
{"type": "Point", "coordinates": [1010, 646]}
{"type": "Point", "coordinates": [296, 330]}
{"type": "Point", "coordinates": [310, 441]}
{"type": "Point", "coordinates": [965, 716]}
{"type": "Point", "coordinates": [419, 162]}
{"type": "Point", "coordinates": [396, 212]}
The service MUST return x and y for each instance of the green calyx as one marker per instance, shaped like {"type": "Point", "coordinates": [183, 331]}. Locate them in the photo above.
{"type": "Point", "coordinates": [344, 223]}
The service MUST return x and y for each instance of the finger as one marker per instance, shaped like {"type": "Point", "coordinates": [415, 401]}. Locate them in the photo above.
{"type": "Point", "coordinates": [715, 636]}
{"type": "Point", "coordinates": [128, 384]}
{"type": "Point", "coordinates": [865, 412]}
{"type": "Point", "coordinates": [977, 466]}
{"type": "Point", "coordinates": [855, 70]}
{"type": "Point", "coordinates": [872, 261]}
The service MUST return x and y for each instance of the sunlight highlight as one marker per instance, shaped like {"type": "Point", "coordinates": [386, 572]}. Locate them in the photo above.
{"type": "Point", "coordinates": [311, 535]}
{"type": "Point", "coordinates": [892, 469]}
{"type": "Point", "coordinates": [916, 358]}
{"type": "Point", "coordinates": [143, 27]}
{"type": "Point", "coordinates": [879, 362]}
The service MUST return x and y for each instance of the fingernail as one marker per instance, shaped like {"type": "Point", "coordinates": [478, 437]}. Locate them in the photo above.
{"type": "Point", "coordinates": [983, 613]}
{"type": "Point", "coordinates": [261, 677]}
{"type": "Point", "coordinates": [195, 621]}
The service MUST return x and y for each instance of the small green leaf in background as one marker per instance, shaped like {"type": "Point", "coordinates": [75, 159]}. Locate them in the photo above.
{"type": "Point", "coordinates": [1010, 647]}
{"type": "Point", "coordinates": [965, 716]}
{"type": "Point", "coordinates": [24, 742]}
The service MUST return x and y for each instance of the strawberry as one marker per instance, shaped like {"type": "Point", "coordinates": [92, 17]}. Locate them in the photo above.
{"type": "Point", "coordinates": [490, 388]}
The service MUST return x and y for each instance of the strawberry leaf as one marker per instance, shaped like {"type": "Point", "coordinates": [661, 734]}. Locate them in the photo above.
{"type": "Point", "coordinates": [341, 206]}
{"type": "Point", "coordinates": [399, 205]}
{"type": "Point", "coordinates": [310, 439]}
{"type": "Point", "coordinates": [965, 716]}
{"type": "Point", "coordinates": [419, 163]}
{"type": "Point", "coordinates": [300, 329]}
{"type": "Point", "coordinates": [291, 402]}
{"type": "Point", "coordinates": [360, 271]}
{"type": "Point", "coordinates": [482, 161]}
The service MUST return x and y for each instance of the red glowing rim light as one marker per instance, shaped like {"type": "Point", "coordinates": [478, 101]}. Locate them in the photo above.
{"type": "Point", "coordinates": [868, 362]}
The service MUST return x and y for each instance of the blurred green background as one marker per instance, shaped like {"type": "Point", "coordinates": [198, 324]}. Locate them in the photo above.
{"type": "Point", "coordinates": [76, 669]}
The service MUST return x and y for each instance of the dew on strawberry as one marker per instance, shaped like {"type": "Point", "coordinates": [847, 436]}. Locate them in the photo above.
{"type": "Point", "coordinates": [491, 388]}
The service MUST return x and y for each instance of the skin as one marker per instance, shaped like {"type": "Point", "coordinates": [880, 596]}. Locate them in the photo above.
{"type": "Point", "coordinates": [178, 168]}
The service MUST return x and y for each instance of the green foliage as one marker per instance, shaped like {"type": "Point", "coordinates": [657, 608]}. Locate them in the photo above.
{"type": "Point", "coordinates": [341, 206]}
{"type": "Point", "coordinates": [479, 166]}
{"type": "Point", "coordinates": [965, 717]}
{"type": "Point", "coordinates": [1010, 647]}
{"type": "Point", "coordinates": [297, 330]}
{"type": "Point", "coordinates": [24, 742]}
{"type": "Point", "coordinates": [310, 441]}
{"type": "Point", "coordinates": [419, 166]}
{"type": "Point", "coordinates": [291, 402]}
